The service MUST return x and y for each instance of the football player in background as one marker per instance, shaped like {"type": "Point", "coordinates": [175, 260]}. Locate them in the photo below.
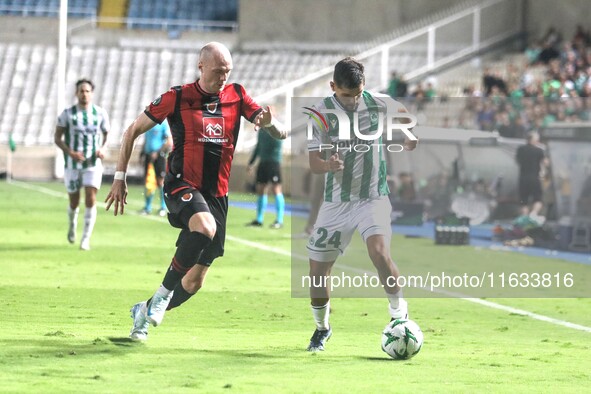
{"type": "Point", "coordinates": [81, 133]}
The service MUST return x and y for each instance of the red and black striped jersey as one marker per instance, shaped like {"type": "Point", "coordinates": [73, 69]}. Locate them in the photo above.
{"type": "Point", "coordinates": [204, 129]}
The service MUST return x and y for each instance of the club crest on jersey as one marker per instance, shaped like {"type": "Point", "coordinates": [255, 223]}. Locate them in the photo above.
{"type": "Point", "coordinates": [157, 101]}
{"type": "Point", "coordinates": [187, 197]}
{"type": "Point", "coordinates": [211, 107]}
{"type": "Point", "coordinates": [373, 117]}
{"type": "Point", "coordinates": [214, 131]}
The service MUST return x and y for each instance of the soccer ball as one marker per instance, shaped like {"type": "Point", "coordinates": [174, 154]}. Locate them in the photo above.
{"type": "Point", "coordinates": [402, 339]}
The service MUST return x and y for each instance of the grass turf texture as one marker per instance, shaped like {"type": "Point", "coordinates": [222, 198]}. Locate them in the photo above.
{"type": "Point", "coordinates": [65, 319]}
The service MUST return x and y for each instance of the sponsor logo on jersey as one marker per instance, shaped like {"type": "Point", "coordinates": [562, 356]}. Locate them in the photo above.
{"type": "Point", "coordinates": [214, 131]}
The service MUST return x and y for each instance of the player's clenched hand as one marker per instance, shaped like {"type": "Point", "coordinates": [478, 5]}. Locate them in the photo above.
{"type": "Point", "coordinates": [263, 118]}
{"type": "Point", "coordinates": [335, 163]}
{"type": "Point", "coordinates": [117, 195]}
{"type": "Point", "coordinates": [77, 156]}
{"type": "Point", "coordinates": [410, 144]}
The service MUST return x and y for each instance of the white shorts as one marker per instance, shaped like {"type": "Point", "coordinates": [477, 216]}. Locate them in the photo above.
{"type": "Point", "coordinates": [337, 221]}
{"type": "Point", "coordinates": [76, 179]}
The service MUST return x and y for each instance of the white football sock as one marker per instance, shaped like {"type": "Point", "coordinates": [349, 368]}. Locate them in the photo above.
{"type": "Point", "coordinates": [73, 216]}
{"type": "Point", "coordinates": [398, 307]}
{"type": "Point", "coordinates": [89, 221]}
{"type": "Point", "coordinates": [395, 299]}
{"type": "Point", "coordinates": [321, 315]}
{"type": "Point", "coordinates": [163, 291]}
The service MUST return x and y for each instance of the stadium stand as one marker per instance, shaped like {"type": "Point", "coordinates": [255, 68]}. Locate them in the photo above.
{"type": "Point", "coordinates": [114, 67]}
{"type": "Point", "coordinates": [48, 8]}
{"type": "Point", "coordinates": [143, 14]}
{"type": "Point", "coordinates": [260, 67]}
{"type": "Point", "coordinates": [180, 14]}
{"type": "Point", "coordinates": [530, 89]}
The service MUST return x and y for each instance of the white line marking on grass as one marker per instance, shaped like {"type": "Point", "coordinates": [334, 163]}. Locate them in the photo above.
{"type": "Point", "coordinates": [529, 314]}
{"type": "Point", "coordinates": [41, 189]}
{"type": "Point", "coordinates": [64, 195]}
{"type": "Point", "coordinates": [285, 253]}
{"type": "Point", "coordinates": [454, 295]}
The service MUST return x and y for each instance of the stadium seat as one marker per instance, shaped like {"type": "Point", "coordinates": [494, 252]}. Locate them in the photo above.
{"type": "Point", "coordinates": [165, 16]}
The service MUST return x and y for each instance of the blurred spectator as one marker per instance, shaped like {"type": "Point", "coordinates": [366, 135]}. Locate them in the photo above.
{"type": "Point", "coordinates": [486, 116]}
{"type": "Point", "coordinates": [503, 124]}
{"type": "Point", "coordinates": [531, 159]}
{"type": "Point", "coordinates": [419, 97]}
{"type": "Point", "coordinates": [393, 85]}
{"type": "Point", "coordinates": [430, 92]}
{"type": "Point", "coordinates": [562, 95]}
{"type": "Point", "coordinates": [518, 129]}
{"type": "Point", "coordinates": [402, 87]}
{"type": "Point", "coordinates": [581, 37]}
{"type": "Point", "coordinates": [552, 37]}
{"type": "Point", "coordinates": [406, 191]}
{"type": "Point", "coordinates": [548, 53]}
{"type": "Point", "coordinates": [437, 193]}
{"type": "Point", "coordinates": [397, 87]}
{"type": "Point", "coordinates": [491, 79]}
{"type": "Point", "coordinates": [533, 50]}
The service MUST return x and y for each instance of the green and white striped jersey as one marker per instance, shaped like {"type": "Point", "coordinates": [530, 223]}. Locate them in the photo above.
{"type": "Point", "coordinates": [364, 172]}
{"type": "Point", "coordinates": [84, 133]}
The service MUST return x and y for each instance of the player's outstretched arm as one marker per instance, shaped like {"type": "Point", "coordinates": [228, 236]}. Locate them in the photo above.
{"type": "Point", "coordinates": [118, 193]}
{"type": "Point", "coordinates": [409, 144]}
{"type": "Point", "coordinates": [265, 120]}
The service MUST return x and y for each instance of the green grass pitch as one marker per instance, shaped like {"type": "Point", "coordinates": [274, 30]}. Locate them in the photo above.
{"type": "Point", "coordinates": [65, 318]}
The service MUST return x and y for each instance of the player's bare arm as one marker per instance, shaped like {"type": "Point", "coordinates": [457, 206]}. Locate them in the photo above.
{"type": "Point", "coordinates": [58, 139]}
{"type": "Point", "coordinates": [408, 143]}
{"type": "Point", "coordinates": [101, 152]}
{"type": "Point", "coordinates": [265, 119]}
{"type": "Point", "coordinates": [118, 192]}
{"type": "Point", "coordinates": [320, 166]}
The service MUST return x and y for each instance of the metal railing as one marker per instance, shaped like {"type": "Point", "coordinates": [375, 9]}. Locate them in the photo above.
{"type": "Point", "coordinates": [441, 43]}
{"type": "Point", "coordinates": [167, 24]}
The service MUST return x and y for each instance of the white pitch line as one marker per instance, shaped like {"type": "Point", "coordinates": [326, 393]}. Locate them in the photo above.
{"type": "Point", "coordinates": [285, 253]}
{"type": "Point", "coordinates": [64, 195]}
{"type": "Point", "coordinates": [454, 295]}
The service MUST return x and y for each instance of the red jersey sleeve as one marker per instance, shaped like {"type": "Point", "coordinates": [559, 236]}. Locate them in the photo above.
{"type": "Point", "coordinates": [159, 109]}
{"type": "Point", "coordinates": [250, 109]}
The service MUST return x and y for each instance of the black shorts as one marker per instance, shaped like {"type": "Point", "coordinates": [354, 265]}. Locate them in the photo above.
{"type": "Point", "coordinates": [159, 165]}
{"type": "Point", "coordinates": [269, 172]}
{"type": "Point", "coordinates": [183, 201]}
{"type": "Point", "coordinates": [530, 189]}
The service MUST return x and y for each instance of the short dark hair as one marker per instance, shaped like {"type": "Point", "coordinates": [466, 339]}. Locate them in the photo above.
{"type": "Point", "coordinates": [84, 80]}
{"type": "Point", "coordinates": [348, 74]}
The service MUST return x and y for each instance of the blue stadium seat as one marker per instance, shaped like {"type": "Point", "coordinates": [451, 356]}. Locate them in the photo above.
{"type": "Point", "coordinates": [50, 8]}
{"type": "Point", "coordinates": [198, 10]}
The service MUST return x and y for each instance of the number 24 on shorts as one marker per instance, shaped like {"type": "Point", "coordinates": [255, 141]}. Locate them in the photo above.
{"type": "Point", "coordinates": [334, 240]}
